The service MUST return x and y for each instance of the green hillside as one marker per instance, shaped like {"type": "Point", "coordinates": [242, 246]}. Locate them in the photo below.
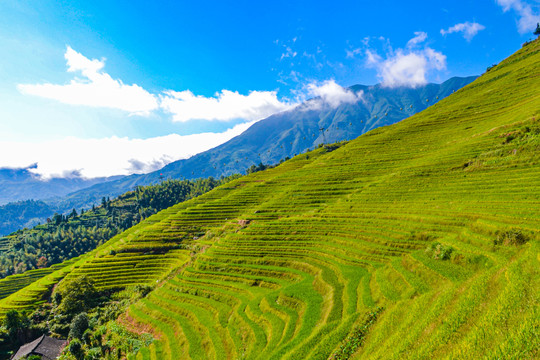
{"type": "Point", "coordinates": [64, 237]}
{"type": "Point", "coordinates": [418, 240]}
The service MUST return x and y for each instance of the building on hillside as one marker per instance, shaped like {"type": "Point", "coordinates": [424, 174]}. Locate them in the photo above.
{"type": "Point", "coordinates": [47, 347]}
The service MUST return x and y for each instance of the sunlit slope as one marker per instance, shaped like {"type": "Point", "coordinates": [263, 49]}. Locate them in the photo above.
{"type": "Point", "coordinates": [294, 258]}
{"type": "Point", "coordinates": [289, 262]}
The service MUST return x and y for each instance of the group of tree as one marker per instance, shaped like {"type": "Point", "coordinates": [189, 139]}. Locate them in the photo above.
{"type": "Point", "coordinates": [63, 237]}
{"type": "Point", "coordinates": [79, 312]}
{"type": "Point", "coordinates": [255, 168]}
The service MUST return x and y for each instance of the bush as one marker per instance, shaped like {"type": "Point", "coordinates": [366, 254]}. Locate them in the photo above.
{"type": "Point", "coordinates": [439, 251]}
{"type": "Point", "coordinates": [78, 326]}
{"type": "Point", "coordinates": [94, 353]}
{"type": "Point", "coordinates": [143, 290]}
{"type": "Point", "coordinates": [75, 348]}
{"type": "Point", "coordinates": [511, 237]}
{"type": "Point", "coordinates": [77, 295]}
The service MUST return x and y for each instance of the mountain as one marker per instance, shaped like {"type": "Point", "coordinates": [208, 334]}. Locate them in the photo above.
{"type": "Point", "coordinates": [417, 240]}
{"type": "Point", "coordinates": [22, 184]}
{"type": "Point", "coordinates": [26, 199]}
{"type": "Point", "coordinates": [287, 134]}
{"type": "Point", "coordinates": [21, 214]}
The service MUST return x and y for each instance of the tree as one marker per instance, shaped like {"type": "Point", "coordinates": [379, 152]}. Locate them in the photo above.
{"type": "Point", "coordinates": [57, 218]}
{"type": "Point", "coordinates": [12, 323]}
{"type": "Point", "coordinates": [42, 262]}
{"type": "Point", "coordinates": [76, 295]}
{"type": "Point", "coordinates": [78, 326]}
{"type": "Point", "coordinates": [75, 347]}
{"type": "Point", "coordinates": [537, 31]}
{"type": "Point", "coordinates": [16, 325]}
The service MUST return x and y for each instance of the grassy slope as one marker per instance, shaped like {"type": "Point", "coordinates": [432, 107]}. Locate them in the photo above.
{"type": "Point", "coordinates": [286, 262]}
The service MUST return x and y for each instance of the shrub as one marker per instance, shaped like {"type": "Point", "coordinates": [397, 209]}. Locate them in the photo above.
{"type": "Point", "coordinates": [77, 295]}
{"type": "Point", "coordinates": [75, 347]}
{"type": "Point", "coordinates": [511, 237]}
{"type": "Point", "coordinates": [78, 326]}
{"type": "Point", "coordinates": [439, 251]}
{"type": "Point", "coordinates": [94, 353]}
{"type": "Point", "coordinates": [143, 290]}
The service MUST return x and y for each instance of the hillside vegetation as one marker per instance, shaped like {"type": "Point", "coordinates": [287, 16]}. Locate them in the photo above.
{"type": "Point", "coordinates": [418, 240]}
{"type": "Point", "coordinates": [64, 237]}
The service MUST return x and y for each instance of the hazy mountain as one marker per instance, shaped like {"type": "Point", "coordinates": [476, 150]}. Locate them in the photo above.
{"type": "Point", "coordinates": [21, 214]}
{"type": "Point", "coordinates": [22, 184]}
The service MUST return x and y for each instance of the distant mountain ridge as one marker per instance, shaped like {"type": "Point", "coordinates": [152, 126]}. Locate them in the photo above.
{"type": "Point", "coordinates": [21, 214]}
{"type": "Point", "coordinates": [19, 184]}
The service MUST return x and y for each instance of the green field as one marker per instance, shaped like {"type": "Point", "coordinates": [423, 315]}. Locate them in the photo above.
{"type": "Point", "coordinates": [418, 240]}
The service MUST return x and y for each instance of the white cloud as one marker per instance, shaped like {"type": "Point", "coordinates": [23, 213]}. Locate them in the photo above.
{"type": "Point", "coordinates": [225, 106]}
{"type": "Point", "coordinates": [288, 53]}
{"type": "Point", "coordinates": [419, 37]}
{"type": "Point", "coordinates": [468, 29]}
{"type": "Point", "coordinates": [109, 156]}
{"type": "Point", "coordinates": [527, 17]}
{"type": "Point", "coordinates": [326, 94]}
{"type": "Point", "coordinates": [330, 93]}
{"type": "Point", "coordinates": [97, 88]}
{"type": "Point", "coordinates": [351, 53]}
{"type": "Point", "coordinates": [372, 58]}
{"type": "Point", "coordinates": [407, 67]}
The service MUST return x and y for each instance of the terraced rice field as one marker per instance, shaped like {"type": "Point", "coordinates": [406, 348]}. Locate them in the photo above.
{"type": "Point", "coordinates": [13, 283]}
{"type": "Point", "coordinates": [287, 263]}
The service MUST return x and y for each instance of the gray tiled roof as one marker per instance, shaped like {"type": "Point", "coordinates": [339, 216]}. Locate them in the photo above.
{"type": "Point", "coordinates": [48, 347]}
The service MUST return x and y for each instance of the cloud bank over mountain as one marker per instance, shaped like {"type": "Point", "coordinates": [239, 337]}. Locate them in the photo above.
{"type": "Point", "coordinates": [90, 158]}
{"type": "Point", "coordinates": [92, 86]}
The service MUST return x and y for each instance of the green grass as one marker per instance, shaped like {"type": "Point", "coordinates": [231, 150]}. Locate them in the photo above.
{"type": "Point", "coordinates": [286, 263]}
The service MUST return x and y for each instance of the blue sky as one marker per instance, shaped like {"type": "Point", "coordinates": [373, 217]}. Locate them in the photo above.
{"type": "Point", "coordinates": [156, 81]}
